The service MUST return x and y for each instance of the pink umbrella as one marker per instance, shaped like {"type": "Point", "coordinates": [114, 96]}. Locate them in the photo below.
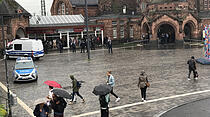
{"type": "Point", "coordinates": [52, 84]}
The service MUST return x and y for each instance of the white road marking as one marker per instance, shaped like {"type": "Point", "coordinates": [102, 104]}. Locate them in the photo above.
{"type": "Point", "coordinates": [19, 101]}
{"type": "Point", "coordinates": [139, 103]}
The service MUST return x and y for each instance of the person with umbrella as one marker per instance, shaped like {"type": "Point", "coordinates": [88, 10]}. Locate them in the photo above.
{"type": "Point", "coordinates": [103, 91]}
{"type": "Point", "coordinates": [51, 85]}
{"type": "Point", "coordinates": [58, 104]}
{"type": "Point", "coordinates": [41, 109]}
{"type": "Point", "coordinates": [75, 89]}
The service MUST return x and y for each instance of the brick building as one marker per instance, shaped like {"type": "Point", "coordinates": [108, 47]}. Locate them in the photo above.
{"type": "Point", "coordinates": [16, 19]}
{"type": "Point", "coordinates": [162, 21]}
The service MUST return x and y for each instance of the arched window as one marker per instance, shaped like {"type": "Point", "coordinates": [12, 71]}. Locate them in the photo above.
{"type": "Point", "coordinates": [61, 8]}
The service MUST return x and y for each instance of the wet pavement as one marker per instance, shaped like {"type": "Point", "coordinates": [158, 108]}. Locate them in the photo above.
{"type": "Point", "coordinates": [167, 71]}
{"type": "Point", "coordinates": [198, 108]}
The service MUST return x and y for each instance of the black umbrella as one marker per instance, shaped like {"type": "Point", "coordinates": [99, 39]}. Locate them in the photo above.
{"type": "Point", "coordinates": [62, 93]}
{"type": "Point", "coordinates": [102, 89]}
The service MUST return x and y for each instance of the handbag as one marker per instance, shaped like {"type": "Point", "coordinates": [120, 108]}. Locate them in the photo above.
{"type": "Point", "coordinates": [147, 84]}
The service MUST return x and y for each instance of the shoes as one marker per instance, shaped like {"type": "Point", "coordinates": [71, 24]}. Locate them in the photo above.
{"type": "Point", "coordinates": [196, 78]}
{"type": "Point", "coordinates": [142, 99]}
{"type": "Point", "coordinates": [188, 79]}
{"type": "Point", "coordinates": [118, 99]}
{"type": "Point", "coordinates": [83, 100]}
{"type": "Point", "coordinates": [70, 103]}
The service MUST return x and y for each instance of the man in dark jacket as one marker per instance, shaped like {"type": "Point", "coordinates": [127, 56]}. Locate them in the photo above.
{"type": "Point", "coordinates": [58, 104]}
{"type": "Point", "coordinates": [192, 67]}
{"type": "Point", "coordinates": [104, 105]}
{"type": "Point", "coordinates": [75, 89]}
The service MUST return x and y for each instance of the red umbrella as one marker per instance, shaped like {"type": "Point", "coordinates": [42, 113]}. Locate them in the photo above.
{"type": "Point", "coordinates": [53, 84]}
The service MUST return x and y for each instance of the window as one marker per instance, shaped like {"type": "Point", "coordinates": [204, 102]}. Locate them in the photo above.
{"type": "Point", "coordinates": [115, 32]}
{"type": "Point", "coordinates": [18, 46]}
{"type": "Point", "coordinates": [122, 32]}
{"type": "Point", "coordinates": [131, 32]}
{"type": "Point", "coordinates": [63, 8]}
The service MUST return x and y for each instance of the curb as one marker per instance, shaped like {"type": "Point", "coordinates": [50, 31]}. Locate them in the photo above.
{"type": "Point", "coordinates": [159, 115]}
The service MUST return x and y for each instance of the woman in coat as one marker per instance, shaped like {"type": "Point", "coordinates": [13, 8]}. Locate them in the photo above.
{"type": "Point", "coordinates": [142, 84]}
{"type": "Point", "coordinates": [41, 110]}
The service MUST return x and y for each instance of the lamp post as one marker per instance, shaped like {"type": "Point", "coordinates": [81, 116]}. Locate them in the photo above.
{"type": "Point", "coordinates": [5, 61]}
{"type": "Point", "coordinates": [86, 24]}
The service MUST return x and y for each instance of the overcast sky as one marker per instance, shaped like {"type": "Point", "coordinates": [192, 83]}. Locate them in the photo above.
{"type": "Point", "coordinates": [34, 6]}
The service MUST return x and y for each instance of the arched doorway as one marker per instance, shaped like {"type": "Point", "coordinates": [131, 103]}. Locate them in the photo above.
{"type": "Point", "coordinates": [188, 29]}
{"type": "Point", "coordinates": [166, 34]}
{"type": "Point", "coordinates": [145, 32]}
{"type": "Point", "coordinates": [20, 33]}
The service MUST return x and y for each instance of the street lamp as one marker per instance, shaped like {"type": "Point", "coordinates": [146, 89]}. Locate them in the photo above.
{"type": "Point", "coordinates": [86, 24]}
{"type": "Point", "coordinates": [5, 61]}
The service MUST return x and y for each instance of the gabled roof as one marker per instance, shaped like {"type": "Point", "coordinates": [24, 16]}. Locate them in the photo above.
{"type": "Point", "coordinates": [11, 7]}
{"type": "Point", "coordinates": [82, 2]}
{"type": "Point", "coordinates": [56, 20]}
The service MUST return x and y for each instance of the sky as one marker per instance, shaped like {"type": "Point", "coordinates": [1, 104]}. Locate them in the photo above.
{"type": "Point", "coordinates": [34, 6]}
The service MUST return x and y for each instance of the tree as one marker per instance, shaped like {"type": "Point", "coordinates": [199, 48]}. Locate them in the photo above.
{"type": "Point", "coordinates": [3, 112]}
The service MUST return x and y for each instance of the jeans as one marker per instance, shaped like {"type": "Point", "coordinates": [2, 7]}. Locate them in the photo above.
{"type": "Point", "coordinates": [110, 49]}
{"type": "Point", "coordinates": [190, 70]}
{"type": "Point", "coordinates": [143, 92]}
{"type": "Point", "coordinates": [112, 92]}
{"type": "Point", "coordinates": [77, 94]}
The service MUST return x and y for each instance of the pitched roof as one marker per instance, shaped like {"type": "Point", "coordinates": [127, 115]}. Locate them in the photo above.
{"type": "Point", "coordinates": [82, 2]}
{"type": "Point", "coordinates": [11, 7]}
{"type": "Point", "coordinates": [56, 20]}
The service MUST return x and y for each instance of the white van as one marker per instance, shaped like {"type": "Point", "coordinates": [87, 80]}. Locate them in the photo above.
{"type": "Point", "coordinates": [25, 47]}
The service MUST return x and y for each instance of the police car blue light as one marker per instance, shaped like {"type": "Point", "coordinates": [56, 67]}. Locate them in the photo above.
{"type": "Point", "coordinates": [24, 69]}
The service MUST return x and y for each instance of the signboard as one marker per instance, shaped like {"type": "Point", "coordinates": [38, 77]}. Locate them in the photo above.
{"type": "Point", "coordinates": [207, 41]}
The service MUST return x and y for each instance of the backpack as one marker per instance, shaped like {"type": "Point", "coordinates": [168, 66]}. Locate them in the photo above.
{"type": "Point", "coordinates": [79, 84]}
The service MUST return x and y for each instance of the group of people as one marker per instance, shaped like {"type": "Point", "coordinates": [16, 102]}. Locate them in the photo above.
{"type": "Point", "coordinates": [58, 104]}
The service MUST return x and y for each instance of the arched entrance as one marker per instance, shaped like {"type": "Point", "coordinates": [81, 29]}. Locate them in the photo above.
{"type": "Point", "coordinates": [145, 32]}
{"type": "Point", "coordinates": [20, 33]}
{"type": "Point", "coordinates": [166, 34]}
{"type": "Point", "coordinates": [188, 30]}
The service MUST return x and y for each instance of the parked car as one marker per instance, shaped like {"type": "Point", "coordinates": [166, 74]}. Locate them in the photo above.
{"type": "Point", "coordinates": [24, 70]}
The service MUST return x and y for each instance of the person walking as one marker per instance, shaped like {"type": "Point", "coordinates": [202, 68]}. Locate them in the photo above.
{"type": "Point", "coordinates": [110, 45]}
{"type": "Point", "coordinates": [142, 84]}
{"type": "Point", "coordinates": [111, 82]}
{"type": "Point", "coordinates": [192, 67]}
{"type": "Point", "coordinates": [41, 110]}
{"type": "Point", "coordinates": [82, 46]}
{"type": "Point", "coordinates": [58, 104]}
{"type": "Point", "coordinates": [76, 87]}
{"type": "Point", "coordinates": [49, 98]}
{"type": "Point", "coordinates": [104, 105]}
{"type": "Point", "coordinates": [74, 46]}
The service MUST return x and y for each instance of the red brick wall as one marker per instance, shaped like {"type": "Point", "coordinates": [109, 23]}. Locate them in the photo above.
{"type": "Point", "coordinates": [92, 11]}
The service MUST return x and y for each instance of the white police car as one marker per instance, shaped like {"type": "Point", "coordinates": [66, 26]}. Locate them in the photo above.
{"type": "Point", "coordinates": [24, 69]}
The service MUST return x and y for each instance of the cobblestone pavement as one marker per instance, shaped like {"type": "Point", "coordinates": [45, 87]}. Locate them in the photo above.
{"type": "Point", "coordinates": [167, 71]}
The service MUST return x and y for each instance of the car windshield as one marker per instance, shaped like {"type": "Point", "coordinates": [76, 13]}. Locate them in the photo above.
{"type": "Point", "coordinates": [24, 65]}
